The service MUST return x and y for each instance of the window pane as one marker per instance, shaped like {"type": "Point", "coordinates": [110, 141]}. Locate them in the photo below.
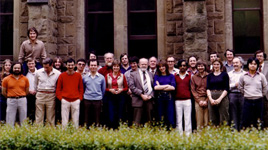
{"type": "Point", "coordinates": [100, 5]}
{"type": "Point", "coordinates": [142, 48]}
{"type": "Point", "coordinates": [6, 6]}
{"type": "Point", "coordinates": [247, 31]}
{"type": "Point", "coordinates": [246, 3]}
{"type": "Point", "coordinates": [6, 35]}
{"type": "Point", "coordinates": [100, 33]}
{"type": "Point", "coordinates": [142, 4]}
{"type": "Point", "coordinates": [142, 23]}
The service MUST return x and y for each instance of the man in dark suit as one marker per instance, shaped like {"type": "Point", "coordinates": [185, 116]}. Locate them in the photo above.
{"type": "Point", "coordinates": [140, 84]}
{"type": "Point", "coordinates": [263, 68]}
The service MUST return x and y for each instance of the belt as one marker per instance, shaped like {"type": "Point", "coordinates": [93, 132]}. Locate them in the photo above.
{"type": "Point", "coordinates": [16, 97]}
{"type": "Point", "coordinates": [216, 90]}
{"type": "Point", "coordinates": [47, 92]}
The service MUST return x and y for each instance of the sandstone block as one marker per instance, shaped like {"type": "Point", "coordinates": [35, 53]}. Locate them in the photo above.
{"type": "Point", "coordinates": [34, 12]}
{"type": "Point", "coordinates": [215, 38]}
{"type": "Point", "coordinates": [70, 30]}
{"type": "Point", "coordinates": [189, 38]}
{"type": "Point", "coordinates": [170, 49]}
{"type": "Point", "coordinates": [174, 39]}
{"type": "Point", "coordinates": [70, 10]}
{"type": "Point", "coordinates": [210, 23]}
{"type": "Point", "coordinates": [211, 47]}
{"type": "Point", "coordinates": [177, 3]}
{"type": "Point", "coordinates": [178, 9]}
{"type": "Point", "coordinates": [169, 6]}
{"type": "Point", "coordinates": [210, 31]}
{"type": "Point", "coordinates": [171, 28]}
{"type": "Point", "coordinates": [179, 31]}
{"type": "Point", "coordinates": [174, 17]}
{"type": "Point", "coordinates": [219, 5]}
{"type": "Point", "coordinates": [219, 27]}
{"type": "Point", "coordinates": [61, 30]}
{"type": "Point", "coordinates": [178, 47]}
{"type": "Point", "coordinates": [71, 50]}
{"type": "Point", "coordinates": [65, 40]}
{"type": "Point", "coordinates": [215, 15]}
{"type": "Point", "coordinates": [23, 30]}
{"type": "Point", "coordinates": [178, 24]}
{"type": "Point", "coordinates": [61, 12]}
{"type": "Point", "coordinates": [195, 24]}
{"type": "Point", "coordinates": [221, 47]}
{"type": "Point", "coordinates": [24, 19]}
{"type": "Point", "coordinates": [210, 2]}
{"type": "Point", "coordinates": [61, 4]}
{"type": "Point", "coordinates": [23, 9]}
{"type": "Point", "coordinates": [210, 8]}
{"type": "Point", "coordinates": [62, 50]}
{"type": "Point", "coordinates": [65, 19]}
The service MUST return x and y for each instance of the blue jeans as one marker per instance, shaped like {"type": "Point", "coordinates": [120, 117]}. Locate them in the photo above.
{"type": "Point", "coordinates": [252, 111]}
{"type": "Point", "coordinates": [116, 105]}
{"type": "Point", "coordinates": [166, 108]}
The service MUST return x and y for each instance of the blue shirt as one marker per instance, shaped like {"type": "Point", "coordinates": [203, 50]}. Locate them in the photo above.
{"type": "Point", "coordinates": [165, 80]}
{"type": "Point", "coordinates": [94, 87]}
{"type": "Point", "coordinates": [123, 70]}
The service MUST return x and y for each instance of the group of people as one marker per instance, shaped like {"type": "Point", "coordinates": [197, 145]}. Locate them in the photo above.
{"type": "Point", "coordinates": [134, 89]}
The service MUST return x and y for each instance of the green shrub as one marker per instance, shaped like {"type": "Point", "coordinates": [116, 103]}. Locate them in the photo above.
{"type": "Point", "coordinates": [147, 137]}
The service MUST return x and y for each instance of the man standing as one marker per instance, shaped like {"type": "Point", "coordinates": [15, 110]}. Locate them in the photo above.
{"type": "Point", "coordinates": [45, 87]}
{"type": "Point", "coordinates": [15, 87]}
{"type": "Point", "coordinates": [235, 96]}
{"type": "Point", "coordinates": [109, 58]}
{"type": "Point", "coordinates": [228, 64]}
{"type": "Point", "coordinates": [263, 68]}
{"type": "Point", "coordinates": [124, 63]}
{"type": "Point", "coordinates": [32, 48]}
{"type": "Point", "coordinates": [94, 85]}
{"type": "Point", "coordinates": [80, 65]}
{"type": "Point", "coordinates": [212, 56]}
{"type": "Point", "coordinates": [31, 96]}
{"type": "Point", "coordinates": [152, 64]}
{"type": "Point", "coordinates": [253, 85]}
{"type": "Point", "coordinates": [140, 83]}
{"type": "Point", "coordinates": [199, 91]}
{"type": "Point", "coordinates": [183, 103]}
{"type": "Point", "coordinates": [171, 64]}
{"type": "Point", "coordinates": [70, 92]}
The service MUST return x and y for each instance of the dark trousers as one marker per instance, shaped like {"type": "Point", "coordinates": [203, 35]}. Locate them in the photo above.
{"type": "Point", "coordinates": [252, 112]}
{"type": "Point", "coordinates": [166, 108]}
{"type": "Point", "coordinates": [116, 105]}
{"type": "Point", "coordinates": [31, 107]}
{"type": "Point", "coordinates": [58, 111]}
{"type": "Point", "coordinates": [218, 113]}
{"type": "Point", "coordinates": [143, 114]}
{"type": "Point", "coordinates": [236, 108]}
{"type": "Point", "coordinates": [3, 108]}
{"type": "Point", "coordinates": [92, 111]}
{"type": "Point", "coordinates": [265, 112]}
{"type": "Point", "coordinates": [128, 110]}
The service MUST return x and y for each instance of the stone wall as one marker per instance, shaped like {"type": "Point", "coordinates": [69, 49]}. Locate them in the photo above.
{"type": "Point", "coordinates": [216, 26]}
{"type": "Point", "coordinates": [23, 27]}
{"type": "Point", "coordinates": [174, 28]}
{"type": "Point", "coordinates": [66, 28]}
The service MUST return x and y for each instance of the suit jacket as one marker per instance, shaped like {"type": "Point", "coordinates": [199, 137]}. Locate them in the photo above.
{"type": "Point", "coordinates": [136, 87]}
{"type": "Point", "coordinates": [265, 72]}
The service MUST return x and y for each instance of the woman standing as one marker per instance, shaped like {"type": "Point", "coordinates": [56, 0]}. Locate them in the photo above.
{"type": "Point", "coordinates": [217, 90]}
{"type": "Point", "coordinates": [116, 88]}
{"type": "Point", "coordinates": [3, 101]}
{"type": "Point", "coordinates": [164, 84]}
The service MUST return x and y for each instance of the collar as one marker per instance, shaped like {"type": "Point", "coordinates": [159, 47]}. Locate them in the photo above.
{"type": "Point", "coordinates": [198, 74]}
{"type": "Point", "coordinates": [187, 73]}
{"type": "Point", "coordinates": [32, 72]}
{"type": "Point", "coordinates": [52, 71]}
{"type": "Point", "coordinates": [233, 71]}
{"type": "Point", "coordinates": [20, 76]}
{"type": "Point", "coordinates": [29, 41]}
{"type": "Point", "coordinates": [97, 74]}
{"type": "Point", "coordinates": [247, 73]}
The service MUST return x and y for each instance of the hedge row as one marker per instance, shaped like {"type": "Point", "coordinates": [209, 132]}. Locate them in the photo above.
{"type": "Point", "coordinates": [37, 137]}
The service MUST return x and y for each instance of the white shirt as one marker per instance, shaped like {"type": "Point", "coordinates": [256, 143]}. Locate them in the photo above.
{"type": "Point", "coordinates": [150, 89]}
{"type": "Point", "coordinates": [152, 71]}
{"type": "Point", "coordinates": [175, 70]}
{"type": "Point", "coordinates": [182, 76]}
{"type": "Point", "coordinates": [92, 77]}
{"type": "Point", "coordinates": [30, 76]}
{"type": "Point", "coordinates": [234, 78]}
{"type": "Point", "coordinates": [44, 82]}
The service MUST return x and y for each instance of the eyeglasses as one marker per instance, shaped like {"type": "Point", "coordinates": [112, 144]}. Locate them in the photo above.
{"type": "Point", "coordinates": [80, 64]}
{"type": "Point", "coordinates": [170, 61]}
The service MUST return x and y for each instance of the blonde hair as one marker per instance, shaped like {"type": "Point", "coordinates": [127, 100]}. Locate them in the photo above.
{"type": "Point", "coordinates": [3, 68]}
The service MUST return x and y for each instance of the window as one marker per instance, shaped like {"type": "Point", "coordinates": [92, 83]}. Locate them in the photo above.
{"type": "Point", "coordinates": [99, 26]}
{"type": "Point", "coordinates": [142, 35]}
{"type": "Point", "coordinates": [6, 27]}
{"type": "Point", "coordinates": [247, 26]}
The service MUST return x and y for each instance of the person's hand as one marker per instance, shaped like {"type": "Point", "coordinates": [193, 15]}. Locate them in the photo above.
{"type": "Point", "coordinates": [201, 103]}
{"type": "Point", "coordinates": [236, 85]}
{"type": "Point", "coordinates": [144, 97]}
{"type": "Point", "coordinates": [129, 92]}
{"type": "Point", "coordinates": [112, 91]}
{"type": "Point", "coordinates": [205, 103]}
{"type": "Point", "coordinates": [32, 92]}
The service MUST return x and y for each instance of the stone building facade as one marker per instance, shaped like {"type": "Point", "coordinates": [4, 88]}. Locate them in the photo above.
{"type": "Point", "coordinates": [184, 28]}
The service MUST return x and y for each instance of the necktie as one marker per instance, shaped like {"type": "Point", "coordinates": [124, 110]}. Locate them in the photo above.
{"type": "Point", "coordinates": [152, 71]}
{"type": "Point", "coordinates": [260, 68]}
{"type": "Point", "coordinates": [145, 85]}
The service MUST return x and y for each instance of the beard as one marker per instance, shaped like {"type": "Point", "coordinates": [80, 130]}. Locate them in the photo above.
{"type": "Point", "coordinates": [143, 69]}
{"type": "Point", "coordinates": [17, 73]}
{"type": "Point", "coordinates": [109, 64]}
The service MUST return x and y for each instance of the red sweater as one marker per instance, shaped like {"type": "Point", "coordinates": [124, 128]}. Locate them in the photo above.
{"type": "Point", "coordinates": [183, 88]}
{"type": "Point", "coordinates": [70, 87]}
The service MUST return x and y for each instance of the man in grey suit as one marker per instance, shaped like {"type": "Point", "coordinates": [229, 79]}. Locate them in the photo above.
{"type": "Point", "coordinates": [140, 84]}
{"type": "Point", "coordinates": [263, 68]}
